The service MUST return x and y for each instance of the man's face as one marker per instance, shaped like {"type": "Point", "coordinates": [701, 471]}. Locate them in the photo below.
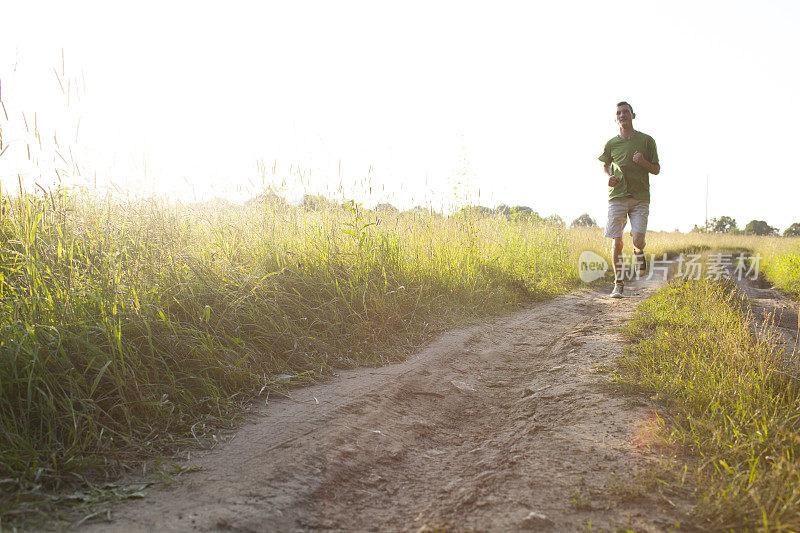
{"type": "Point", "coordinates": [624, 115]}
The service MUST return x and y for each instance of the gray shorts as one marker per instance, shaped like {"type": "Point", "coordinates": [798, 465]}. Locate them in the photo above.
{"type": "Point", "coordinates": [620, 209]}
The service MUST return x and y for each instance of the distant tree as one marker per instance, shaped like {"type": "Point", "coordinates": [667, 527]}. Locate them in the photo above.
{"type": "Point", "coordinates": [317, 202]}
{"type": "Point", "coordinates": [523, 212]}
{"type": "Point", "coordinates": [482, 211]}
{"type": "Point", "coordinates": [759, 227]}
{"type": "Point", "coordinates": [420, 210]}
{"type": "Point", "coordinates": [584, 221]}
{"type": "Point", "coordinates": [554, 220]}
{"type": "Point", "coordinates": [700, 229]}
{"type": "Point", "coordinates": [350, 205]}
{"type": "Point", "coordinates": [268, 197]}
{"type": "Point", "coordinates": [793, 230]}
{"type": "Point", "coordinates": [723, 224]}
{"type": "Point", "coordinates": [502, 209]}
{"type": "Point", "coordinates": [386, 208]}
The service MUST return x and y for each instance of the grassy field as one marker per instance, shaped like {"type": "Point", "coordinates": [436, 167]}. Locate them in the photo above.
{"type": "Point", "coordinates": [132, 329]}
{"type": "Point", "coordinates": [727, 399]}
{"type": "Point", "coordinates": [782, 265]}
{"type": "Point", "coordinates": [780, 257]}
{"type": "Point", "coordinates": [129, 329]}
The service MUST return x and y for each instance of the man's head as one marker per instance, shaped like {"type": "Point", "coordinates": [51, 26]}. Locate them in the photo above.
{"type": "Point", "coordinates": [625, 114]}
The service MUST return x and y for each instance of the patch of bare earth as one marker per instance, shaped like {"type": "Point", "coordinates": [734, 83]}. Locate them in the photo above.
{"type": "Point", "coordinates": [775, 310]}
{"type": "Point", "coordinates": [505, 426]}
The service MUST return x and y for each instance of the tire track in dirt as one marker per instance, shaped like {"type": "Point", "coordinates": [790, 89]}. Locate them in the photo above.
{"type": "Point", "coordinates": [504, 426]}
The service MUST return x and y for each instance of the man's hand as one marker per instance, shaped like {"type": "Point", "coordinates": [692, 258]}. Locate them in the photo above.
{"type": "Point", "coordinates": [612, 179]}
{"type": "Point", "coordinates": [639, 159]}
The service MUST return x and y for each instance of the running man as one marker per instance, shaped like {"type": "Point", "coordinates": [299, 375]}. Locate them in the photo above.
{"type": "Point", "coordinates": [628, 159]}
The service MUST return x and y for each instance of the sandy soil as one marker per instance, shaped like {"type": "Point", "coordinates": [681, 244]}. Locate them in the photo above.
{"type": "Point", "coordinates": [506, 426]}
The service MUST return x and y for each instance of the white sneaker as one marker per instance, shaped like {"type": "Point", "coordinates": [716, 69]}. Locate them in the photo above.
{"type": "Point", "coordinates": [617, 292]}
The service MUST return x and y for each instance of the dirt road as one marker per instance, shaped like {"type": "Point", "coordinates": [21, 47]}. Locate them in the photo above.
{"type": "Point", "coordinates": [504, 426]}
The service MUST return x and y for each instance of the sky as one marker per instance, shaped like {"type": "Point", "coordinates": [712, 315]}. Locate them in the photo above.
{"type": "Point", "coordinates": [414, 103]}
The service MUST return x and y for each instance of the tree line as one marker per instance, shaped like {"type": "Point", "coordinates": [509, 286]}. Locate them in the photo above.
{"type": "Point", "coordinates": [723, 224]}
{"type": "Point", "coordinates": [726, 224]}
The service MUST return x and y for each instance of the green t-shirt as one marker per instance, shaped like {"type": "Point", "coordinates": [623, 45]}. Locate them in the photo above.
{"type": "Point", "coordinates": [634, 180]}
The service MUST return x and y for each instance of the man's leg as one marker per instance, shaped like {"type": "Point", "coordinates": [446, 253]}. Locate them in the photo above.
{"type": "Point", "coordinates": [638, 241]}
{"type": "Point", "coordinates": [640, 212]}
{"type": "Point", "coordinates": [616, 257]}
{"type": "Point", "coordinates": [638, 253]}
{"type": "Point", "coordinates": [617, 217]}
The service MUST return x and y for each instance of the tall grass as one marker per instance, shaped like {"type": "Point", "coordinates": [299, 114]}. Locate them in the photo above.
{"type": "Point", "coordinates": [130, 328]}
{"type": "Point", "coordinates": [782, 265]}
{"type": "Point", "coordinates": [127, 328]}
{"type": "Point", "coordinates": [729, 399]}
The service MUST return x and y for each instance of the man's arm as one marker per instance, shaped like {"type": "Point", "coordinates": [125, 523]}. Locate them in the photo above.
{"type": "Point", "coordinates": [612, 179]}
{"type": "Point", "coordinates": [639, 159]}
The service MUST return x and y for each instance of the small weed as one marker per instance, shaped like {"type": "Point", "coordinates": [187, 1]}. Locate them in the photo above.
{"type": "Point", "coordinates": [581, 497]}
{"type": "Point", "coordinates": [632, 489]}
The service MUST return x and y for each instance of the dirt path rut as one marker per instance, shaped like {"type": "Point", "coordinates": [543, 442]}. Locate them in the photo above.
{"type": "Point", "coordinates": [503, 427]}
